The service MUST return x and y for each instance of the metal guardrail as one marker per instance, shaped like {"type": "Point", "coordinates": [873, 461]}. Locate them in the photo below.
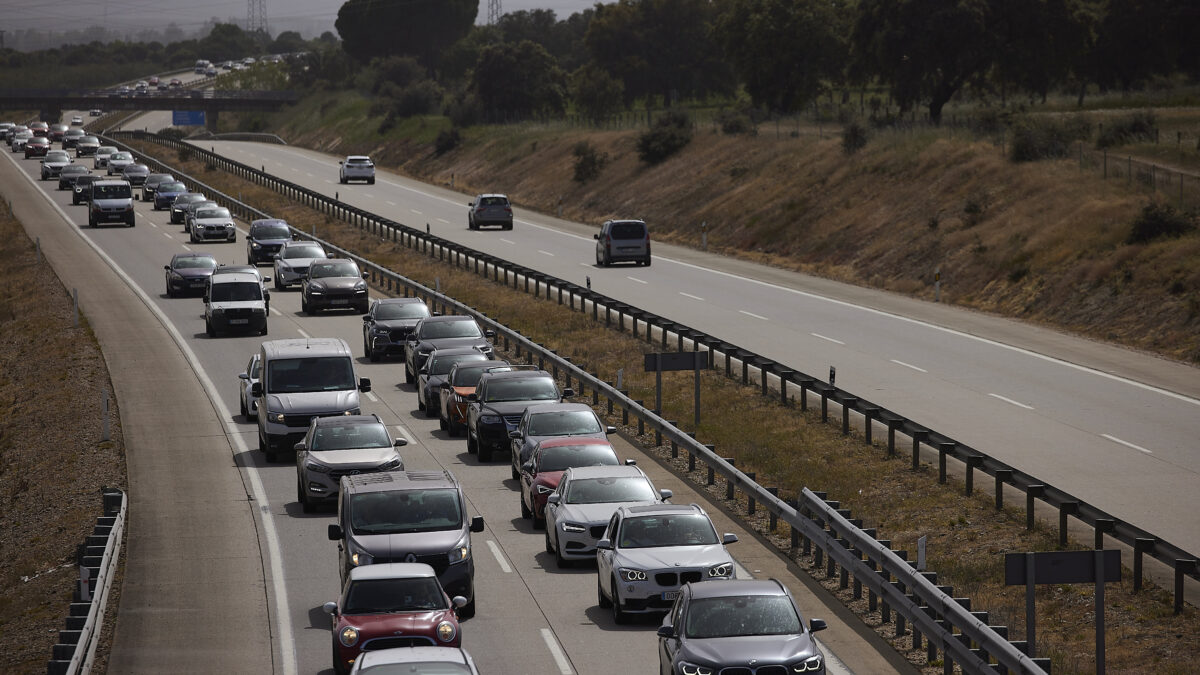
{"type": "Point", "coordinates": [76, 649]}
{"type": "Point", "coordinates": [913, 596]}
{"type": "Point", "coordinates": [1181, 562]}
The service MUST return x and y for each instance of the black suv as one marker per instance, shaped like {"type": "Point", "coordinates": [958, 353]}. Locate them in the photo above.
{"type": "Point", "coordinates": [264, 239]}
{"type": "Point", "coordinates": [408, 516]}
{"type": "Point", "coordinates": [499, 400]}
{"type": "Point", "coordinates": [387, 324]}
{"type": "Point", "coordinates": [442, 332]}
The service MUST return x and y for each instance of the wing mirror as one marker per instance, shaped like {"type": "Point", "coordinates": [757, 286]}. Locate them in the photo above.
{"type": "Point", "coordinates": [329, 608]}
{"type": "Point", "coordinates": [666, 631]}
{"type": "Point", "coordinates": [477, 524]}
{"type": "Point", "coordinates": [816, 625]}
{"type": "Point", "coordinates": [729, 538]}
{"type": "Point", "coordinates": [514, 434]}
{"type": "Point", "coordinates": [610, 430]}
{"type": "Point", "coordinates": [300, 447]}
{"type": "Point", "coordinates": [364, 384]}
{"type": "Point", "coordinates": [665, 494]}
{"type": "Point", "coordinates": [553, 499]}
{"type": "Point", "coordinates": [604, 544]}
{"type": "Point", "coordinates": [334, 532]}
{"type": "Point", "coordinates": [527, 467]}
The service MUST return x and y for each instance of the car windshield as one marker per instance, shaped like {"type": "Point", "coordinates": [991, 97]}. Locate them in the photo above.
{"type": "Point", "coordinates": [628, 231]}
{"type": "Point", "coordinates": [57, 156]}
{"type": "Point", "coordinates": [304, 252]}
{"type": "Point", "coordinates": [350, 437]}
{"type": "Point", "coordinates": [673, 530]}
{"type": "Point", "coordinates": [239, 291]}
{"type": "Point", "coordinates": [171, 187]}
{"type": "Point", "coordinates": [137, 168]}
{"type": "Point", "coordinates": [563, 457]}
{"type": "Point", "coordinates": [339, 269]}
{"type": "Point", "coordinates": [89, 139]}
{"type": "Point", "coordinates": [405, 511]}
{"type": "Point", "coordinates": [275, 231]}
{"type": "Point", "coordinates": [75, 168]}
{"type": "Point", "coordinates": [607, 490]}
{"type": "Point", "coordinates": [212, 213]}
{"type": "Point", "coordinates": [383, 596]}
{"type": "Point", "coordinates": [406, 310]}
{"type": "Point", "coordinates": [467, 377]}
{"type": "Point", "coordinates": [159, 178]}
{"type": "Point", "coordinates": [441, 365]}
{"type": "Point", "coordinates": [739, 615]}
{"type": "Point", "coordinates": [196, 263]}
{"type": "Point", "coordinates": [118, 156]}
{"type": "Point", "coordinates": [111, 191]}
{"type": "Point", "coordinates": [523, 389]}
{"type": "Point", "coordinates": [320, 373]}
{"type": "Point", "coordinates": [105, 150]}
{"type": "Point", "coordinates": [450, 329]}
{"type": "Point", "coordinates": [564, 423]}
{"type": "Point", "coordinates": [422, 667]}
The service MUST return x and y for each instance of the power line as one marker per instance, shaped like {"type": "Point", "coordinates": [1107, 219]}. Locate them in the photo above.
{"type": "Point", "coordinates": [494, 12]}
{"type": "Point", "coordinates": [256, 16]}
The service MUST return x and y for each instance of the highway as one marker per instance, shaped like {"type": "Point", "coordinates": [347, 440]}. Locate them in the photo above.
{"type": "Point", "coordinates": [221, 559]}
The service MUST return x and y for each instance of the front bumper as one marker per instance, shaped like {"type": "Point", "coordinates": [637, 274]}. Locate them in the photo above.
{"type": "Point", "coordinates": [290, 275]}
{"type": "Point", "coordinates": [214, 232]}
{"type": "Point", "coordinates": [357, 301]}
{"type": "Point", "coordinates": [229, 321]}
{"type": "Point", "coordinates": [263, 253]}
{"type": "Point", "coordinates": [579, 545]}
{"type": "Point", "coordinates": [657, 592]}
{"type": "Point", "coordinates": [183, 285]}
{"type": "Point", "coordinates": [494, 436]}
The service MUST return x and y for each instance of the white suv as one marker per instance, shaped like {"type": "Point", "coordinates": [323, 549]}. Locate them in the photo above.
{"type": "Point", "coordinates": [357, 167]}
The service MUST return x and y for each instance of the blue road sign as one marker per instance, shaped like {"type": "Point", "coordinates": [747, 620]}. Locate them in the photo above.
{"type": "Point", "coordinates": [187, 118]}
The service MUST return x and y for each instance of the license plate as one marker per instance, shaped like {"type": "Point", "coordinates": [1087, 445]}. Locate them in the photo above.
{"type": "Point", "coordinates": [670, 595]}
{"type": "Point", "coordinates": [339, 301]}
{"type": "Point", "coordinates": [198, 284]}
{"type": "Point", "coordinates": [234, 322]}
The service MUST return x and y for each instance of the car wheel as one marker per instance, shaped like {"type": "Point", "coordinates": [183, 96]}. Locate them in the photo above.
{"type": "Point", "coordinates": [266, 450]}
{"type": "Point", "coordinates": [508, 226]}
{"type": "Point", "coordinates": [130, 223]}
{"type": "Point", "coordinates": [370, 181]}
{"type": "Point", "coordinates": [302, 497]}
{"type": "Point", "coordinates": [264, 329]}
{"type": "Point", "coordinates": [485, 454]}
{"type": "Point", "coordinates": [242, 407]}
{"type": "Point", "coordinates": [525, 512]}
{"type": "Point", "coordinates": [342, 181]}
{"type": "Point", "coordinates": [646, 262]}
{"type": "Point", "coordinates": [278, 284]}
{"type": "Point", "coordinates": [208, 329]}
{"type": "Point", "coordinates": [601, 599]}
{"type": "Point", "coordinates": [512, 469]}
{"type": "Point", "coordinates": [619, 616]}
{"type": "Point", "coordinates": [453, 428]}
{"type": "Point", "coordinates": [539, 523]}
{"type": "Point", "coordinates": [304, 305]}
{"type": "Point", "coordinates": [472, 446]}
{"type": "Point", "coordinates": [339, 668]}
{"type": "Point", "coordinates": [429, 410]}
{"type": "Point", "coordinates": [549, 548]}
{"type": "Point", "coordinates": [408, 376]}
{"type": "Point", "coordinates": [170, 291]}
{"type": "Point", "coordinates": [421, 403]}
{"type": "Point", "coordinates": [559, 560]}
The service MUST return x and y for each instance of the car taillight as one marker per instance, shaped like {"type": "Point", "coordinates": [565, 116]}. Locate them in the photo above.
{"type": "Point", "coordinates": [508, 209]}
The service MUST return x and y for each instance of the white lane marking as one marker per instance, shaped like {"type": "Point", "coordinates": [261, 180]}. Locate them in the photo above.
{"type": "Point", "coordinates": [756, 316]}
{"type": "Point", "coordinates": [373, 397]}
{"type": "Point", "coordinates": [507, 241]}
{"type": "Point", "coordinates": [186, 247]}
{"type": "Point", "coordinates": [404, 433]}
{"type": "Point", "coordinates": [689, 295]}
{"type": "Point", "coordinates": [309, 174]}
{"type": "Point", "coordinates": [167, 235]}
{"type": "Point", "coordinates": [443, 220]}
{"type": "Point", "coordinates": [293, 168]}
{"type": "Point", "coordinates": [416, 212]}
{"type": "Point", "coordinates": [389, 202]}
{"type": "Point", "coordinates": [329, 181]}
{"type": "Point", "coordinates": [585, 264]}
{"type": "Point", "coordinates": [1127, 444]}
{"type": "Point", "coordinates": [276, 312]}
{"type": "Point", "coordinates": [827, 339]}
{"type": "Point", "coordinates": [909, 365]}
{"type": "Point", "coordinates": [301, 331]}
{"type": "Point", "coordinates": [504, 566]}
{"type": "Point", "coordinates": [642, 281]}
{"type": "Point", "coordinates": [564, 666]}
{"type": "Point", "coordinates": [282, 616]}
{"type": "Point", "coordinates": [1009, 400]}
{"type": "Point", "coordinates": [153, 225]}
{"type": "Point", "coordinates": [546, 253]}
{"type": "Point", "coordinates": [369, 196]}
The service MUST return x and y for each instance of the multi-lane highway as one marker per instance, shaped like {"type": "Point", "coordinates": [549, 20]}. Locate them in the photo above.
{"type": "Point", "coordinates": [230, 561]}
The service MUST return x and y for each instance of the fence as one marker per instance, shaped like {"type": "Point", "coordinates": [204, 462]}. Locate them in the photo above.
{"type": "Point", "coordinates": [1173, 185]}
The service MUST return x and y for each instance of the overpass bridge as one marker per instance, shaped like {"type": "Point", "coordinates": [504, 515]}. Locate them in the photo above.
{"type": "Point", "coordinates": [211, 101]}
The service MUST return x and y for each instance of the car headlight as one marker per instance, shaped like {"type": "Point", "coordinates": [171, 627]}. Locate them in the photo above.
{"type": "Point", "coordinates": [489, 419]}
{"type": "Point", "coordinates": [360, 287]}
{"type": "Point", "coordinates": [348, 636]}
{"type": "Point", "coordinates": [276, 418]}
{"type": "Point", "coordinates": [693, 669]}
{"type": "Point", "coordinates": [723, 570]}
{"type": "Point", "coordinates": [573, 527]}
{"type": "Point", "coordinates": [255, 244]}
{"type": "Point", "coordinates": [394, 464]}
{"type": "Point", "coordinates": [544, 490]}
{"type": "Point", "coordinates": [810, 665]}
{"type": "Point", "coordinates": [316, 466]}
{"type": "Point", "coordinates": [632, 575]}
{"type": "Point", "coordinates": [218, 311]}
{"type": "Point", "coordinates": [361, 558]}
{"type": "Point", "coordinates": [460, 552]}
{"type": "Point", "coordinates": [446, 631]}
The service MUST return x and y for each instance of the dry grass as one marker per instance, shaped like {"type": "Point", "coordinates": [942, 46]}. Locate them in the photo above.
{"type": "Point", "coordinates": [790, 449]}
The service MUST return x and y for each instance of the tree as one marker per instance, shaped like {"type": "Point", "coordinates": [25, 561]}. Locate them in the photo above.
{"type": "Point", "coordinates": [518, 80]}
{"type": "Point", "coordinates": [418, 28]}
{"type": "Point", "coordinates": [226, 41]}
{"type": "Point", "coordinates": [782, 50]}
{"type": "Point", "coordinates": [286, 42]}
{"type": "Point", "coordinates": [596, 93]}
{"type": "Point", "coordinates": [1038, 41]}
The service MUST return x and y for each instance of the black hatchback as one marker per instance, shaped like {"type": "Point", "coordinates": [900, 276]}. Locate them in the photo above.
{"type": "Point", "coordinates": [264, 239]}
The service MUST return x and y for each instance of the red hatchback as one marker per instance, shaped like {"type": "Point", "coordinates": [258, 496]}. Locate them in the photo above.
{"type": "Point", "coordinates": [550, 458]}
{"type": "Point", "coordinates": [392, 605]}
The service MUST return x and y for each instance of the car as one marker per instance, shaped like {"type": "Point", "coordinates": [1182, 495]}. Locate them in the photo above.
{"type": "Point", "coordinates": [293, 260]}
{"type": "Point", "coordinates": [357, 167]}
{"type": "Point", "coordinates": [5, 128]}
{"type": "Point", "coordinates": [37, 146]}
{"type": "Point", "coordinates": [40, 129]}
{"type": "Point", "coordinates": [152, 80]}
{"type": "Point", "coordinates": [136, 174]}
{"type": "Point", "coordinates": [301, 379]}
{"type": "Point", "coordinates": [190, 208]}
{"type": "Point", "coordinates": [388, 322]}
{"type": "Point", "coordinates": [95, 112]}
{"type": "Point", "coordinates": [188, 273]}
{"type": "Point", "coordinates": [69, 174]}
{"type": "Point", "coordinates": [648, 552]}
{"type": "Point", "coordinates": [71, 136]}
{"type": "Point", "coordinates": [179, 206]}
{"type": "Point", "coordinates": [541, 474]}
{"type": "Point", "coordinates": [499, 401]}
{"type": "Point", "coordinates": [166, 193]}
{"type": "Point", "coordinates": [18, 139]}
{"type": "Point", "coordinates": [101, 154]}
{"type": "Point", "coordinates": [54, 162]}
{"type": "Point", "coordinates": [234, 302]}
{"type": "Point", "coordinates": [251, 270]}
{"type": "Point", "coordinates": [339, 446]}
{"type": "Point", "coordinates": [726, 624]}
{"type": "Point", "coordinates": [416, 660]}
{"type": "Point", "coordinates": [211, 222]}
{"type": "Point", "coordinates": [57, 131]}
{"type": "Point", "coordinates": [175, 83]}
{"type": "Point", "coordinates": [117, 162]}
{"type": "Point", "coordinates": [82, 193]}
{"type": "Point", "coordinates": [490, 209]}
{"type": "Point", "coordinates": [248, 405]}
{"type": "Point", "coordinates": [622, 241]}
{"type": "Point", "coordinates": [151, 183]}
{"type": "Point", "coordinates": [392, 605]}
{"type": "Point", "coordinates": [111, 201]}
{"type": "Point", "coordinates": [454, 391]}
{"type": "Point", "coordinates": [578, 511]}
{"type": "Point", "coordinates": [264, 238]}
{"type": "Point", "coordinates": [77, 120]}
{"type": "Point", "coordinates": [87, 146]}
{"type": "Point", "coordinates": [210, 71]}
{"type": "Point", "coordinates": [408, 516]}
{"type": "Point", "coordinates": [437, 367]}
{"type": "Point", "coordinates": [553, 420]}
{"type": "Point", "coordinates": [335, 283]}
{"type": "Point", "coordinates": [442, 332]}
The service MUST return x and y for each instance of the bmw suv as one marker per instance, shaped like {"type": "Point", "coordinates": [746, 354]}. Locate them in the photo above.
{"type": "Point", "coordinates": [357, 167]}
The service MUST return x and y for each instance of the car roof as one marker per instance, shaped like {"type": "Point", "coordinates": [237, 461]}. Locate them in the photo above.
{"type": "Point", "coordinates": [537, 408]}
{"type": "Point", "coordinates": [721, 588]}
{"type": "Point", "coordinates": [235, 277]}
{"type": "Point", "coordinates": [268, 221]}
{"type": "Point", "coordinates": [346, 420]}
{"type": "Point", "coordinates": [661, 509]}
{"type": "Point", "coordinates": [480, 365]}
{"type": "Point", "coordinates": [293, 347]}
{"type": "Point", "coordinates": [399, 301]}
{"type": "Point", "coordinates": [112, 181]}
{"type": "Point", "coordinates": [392, 571]}
{"type": "Point", "coordinates": [301, 242]}
{"type": "Point", "coordinates": [235, 269]}
{"type": "Point", "coordinates": [618, 471]}
{"type": "Point", "coordinates": [357, 157]}
{"type": "Point", "coordinates": [387, 481]}
{"type": "Point", "coordinates": [377, 657]}
{"type": "Point", "coordinates": [493, 194]}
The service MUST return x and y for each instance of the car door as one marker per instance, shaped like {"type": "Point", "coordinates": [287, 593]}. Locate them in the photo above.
{"type": "Point", "coordinates": [552, 509]}
{"type": "Point", "coordinates": [669, 647]}
{"type": "Point", "coordinates": [515, 444]}
{"type": "Point", "coordinates": [527, 477]}
{"type": "Point", "coordinates": [604, 557]}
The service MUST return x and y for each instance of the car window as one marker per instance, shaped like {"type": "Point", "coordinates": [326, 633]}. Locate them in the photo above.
{"type": "Point", "coordinates": [741, 615]}
{"type": "Point", "coordinates": [350, 436]}
{"type": "Point", "coordinates": [407, 310]}
{"type": "Point", "coordinates": [340, 269]}
{"type": "Point", "coordinates": [212, 213]}
{"type": "Point", "coordinates": [467, 377]}
{"type": "Point", "coordinates": [450, 329]}
{"type": "Point", "coordinates": [111, 191]}
{"type": "Point", "coordinates": [405, 511]}
{"type": "Point", "coordinates": [122, 155]}
{"type": "Point", "coordinates": [523, 389]}
{"type": "Point", "coordinates": [442, 365]}
{"type": "Point", "coordinates": [195, 262]}
{"type": "Point", "coordinates": [493, 201]}
{"type": "Point", "coordinates": [171, 187]}
{"type": "Point", "coordinates": [672, 530]}
{"type": "Point", "coordinates": [564, 423]}
{"type": "Point", "coordinates": [303, 252]}
{"type": "Point", "coordinates": [321, 373]}
{"type": "Point", "coordinates": [563, 457]}
{"type": "Point", "coordinates": [381, 596]}
{"type": "Point", "coordinates": [358, 161]}
{"type": "Point", "coordinates": [272, 231]}
{"type": "Point", "coordinates": [239, 291]}
{"type": "Point", "coordinates": [628, 231]}
{"type": "Point", "coordinates": [608, 490]}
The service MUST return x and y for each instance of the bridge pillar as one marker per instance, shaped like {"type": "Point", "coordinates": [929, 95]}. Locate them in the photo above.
{"type": "Point", "coordinates": [210, 120]}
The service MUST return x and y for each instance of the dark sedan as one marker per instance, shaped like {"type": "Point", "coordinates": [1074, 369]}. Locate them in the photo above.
{"type": "Point", "coordinates": [165, 194]}
{"type": "Point", "coordinates": [136, 174]}
{"type": "Point", "coordinates": [387, 324]}
{"type": "Point", "coordinates": [179, 206]}
{"type": "Point", "coordinates": [70, 138]}
{"type": "Point", "coordinates": [189, 273]}
{"type": "Point", "coordinates": [335, 283]}
{"type": "Point", "coordinates": [86, 146]}
{"type": "Point", "coordinates": [152, 182]}
{"type": "Point", "coordinates": [442, 332]}
{"type": "Point", "coordinates": [265, 237]}
{"type": "Point", "coordinates": [69, 174]}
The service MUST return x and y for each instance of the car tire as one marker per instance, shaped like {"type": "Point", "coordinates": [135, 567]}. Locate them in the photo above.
{"type": "Point", "coordinates": [208, 329]}
{"type": "Point", "coordinates": [538, 523]}
{"type": "Point", "coordinates": [429, 411]}
{"type": "Point", "coordinates": [559, 560]}
{"type": "Point", "coordinates": [485, 454]}
{"type": "Point", "coordinates": [372, 357]}
{"type": "Point", "coordinates": [302, 497]}
{"type": "Point", "coordinates": [512, 469]}
{"type": "Point", "coordinates": [601, 599]}
{"type": "Point", "coordinates": [266, 450]}
{"type": "Point", "coordinates": [546, 535]}
{"type": "Point", "coordinates": [264, 329]}
{"type": "Point", "coordinates": [342, 181]}
{"type": "Point", "coordinates": [370, 181]}
{"type": "Point", "coordinates": [508, 226]}
{"type": "Point", "coordinates": [170, 291]}
{"type": "Point", "coordinates": [278, 285]}
{"type": "Point", "coordinates": [646, 262]}
{"type": "Point", "coordinates": [242, 408]}
{"type": "Point", "coordinates": [421, 404]}
{"type": "Point", "coordinates": [130, 223]}
{"type": "Point", "coordinates": [339, 668]}
{"type": "Point", "coordinates": [472, 446]}
{"type": "Point", "coordinates": [525, 512]}
{"type": "Point", "coordinates": [408, 376]}
{"type": "Point", "coordinates": [619, 617]}
{"type": "Point", "coordinates": [442, 423]}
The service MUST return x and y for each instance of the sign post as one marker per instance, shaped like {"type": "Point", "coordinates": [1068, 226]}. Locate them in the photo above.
{"type": "Point", "coordinates": [657, 363]}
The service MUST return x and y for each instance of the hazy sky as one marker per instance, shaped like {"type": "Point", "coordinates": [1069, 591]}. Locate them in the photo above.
{"type": "Point", "coordinates": [134, 15]}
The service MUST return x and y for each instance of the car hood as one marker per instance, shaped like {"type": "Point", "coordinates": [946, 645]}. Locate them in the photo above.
{"type": "Point", "coordinates": [297, 262]}
{"type": "Point", "coordinates": [422, 622]}
{"type": "Point", "coordinates": [550, 479]}
{"type": "Point", "coordinates": [393, 324]}
{"type": "Point", "coordinates": [743, 649]}
{"type": "Point", "coordinates": [530, 441]}
{"type": "Point", "coordinates": [667, 557]}
{"type": "Point", "coordinates": [270, 242]}
{"type": "Point", "coordinates": [194, 272]}
{"type": "Point", "coordinates": [240, 304]}
{"type": "Point", "coordinates": [212, 221]}
{"type": "Point", "coordinates": [313, 401]}
{"type": "Point", "coordinates": [336, 283]}
{"type": "Point", "coordinates": [594, 514]}
{"type": "Point", "coordinates": [357, 458]}
{"type": "Point", "coordinates": [57, 162]}
{"type": "Point", "coordinates": [397, 546]}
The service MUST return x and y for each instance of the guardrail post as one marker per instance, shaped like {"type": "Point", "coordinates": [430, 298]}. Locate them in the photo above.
{"type": "Point", "coordinates": [691, 455]}
{"type": "Point", "coordinates": [943, 450]}
{"type": "Point", "coordinates": [917, 437]}
{"type": "Point", "coordinates": [847, 403]}
{"type": "Point", "coordinates": [762, 370]}
{"type": "Point", "coordinates": [728, 483]}
{"type": "Point", "coordinates": [596, 393]}
{"type": "Point", "coordinates": [824, 405]}
{"type": "Point", "coordinates": [784, 377]}
{"type": "Point", "coordinates": [869, 415]}
{"type": "Point", "coordinates": [1103, 525]}
{"type": "Point", "coordinates": [750, 506]}
{"type": "Point", "coordinates": [972, 462]}
{"type": "Point", "coordinates": [1065, 509]}
{"type": "Point", "coordinates": [712, 471]}
{"type": "Point", "coordinates": [1182, 567]}
{"type": "Point", "coordinates": [641, 421]}
{"type": "Point", "coordinates": [1003, 476]}
{"type": "Point", "coordinates": [1032, 492]}
{"type": "Point", "coordinates": [1140, 546]}
{"type": "Point", "coordinates": [674, 445]}
{"type": "Point", "coordinates": [772, 518]}
{"type": "Point", "coordinates": [624, 408]}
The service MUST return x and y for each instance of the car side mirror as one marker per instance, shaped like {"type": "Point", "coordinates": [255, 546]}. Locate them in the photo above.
{"type": "Point", "coordinates": [299, 447]}
{"type": "Point", "coordinates": [553, 499]}
{"type": "Point", "coordinates": [206, 297]}
{"type": "Point", "coordinates": [424, 370]}
{"type": "Point", "coordinates": [527, 467]}
{"type": "Point", "coordinates": [665, 494]}
{"type": "Point", "coordinates": [489, 334]}
{"type": "Point", "coordinates": [458, 601]}
{"type": "Point", "coordinates": [729, 538]}
{"type": "Point", "coordinates": [514, 434]}
{"type": "Point", "coordinates": [477, 524]}
{"type": "Point", "coordinates": [256, 389]}
{"type": "Point", "coordinates": [366, 275]}
{"type": "Point", "coordinates": [472, 397]}
{"type": "Point", "coordinates": [167, 268]}
{"type": "Point", "coordinates": [243, 376]}
{"type": "Point", "coordinates": [596, 237]}
{"type": "Point", "coordinates": [364, 384]}
{"type": "Point", "coordinates": [604, 544]}
{"type": "Point", "coordinates": [367, 318]}
{"type": "Point", "coordinates": [276, 256]}
{"type": "Point", "coordinates": [610, 430]}
{"type": "Point", "coordinates": [568, 392]}
{"type": "Point", "coordinates": [335, 532]}
{"type": "Point", "coordinates": [329, 608]}
{"type": "Point", "coordinates": [666, 631]}
{"type": "Point", "coordinates": [267, 280]}
{"type": "Point", "coordinates": [631, 462]}
{"type": "Point", "coordinates": [400, 442]}
{"type": "Point", "coordinates": [816, 625]}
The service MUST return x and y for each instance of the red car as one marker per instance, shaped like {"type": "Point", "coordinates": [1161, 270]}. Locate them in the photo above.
{"type": "Point", "coordinates": [153, 81]}
{"type": "Point", "coordinates": [40, 129]}
{"type": "Point", "coordinates": [37, 147]}
{"type": "Point", "coordinates": [541, 474]}
{"type": "Point", "coordinates": [392, 605]}
{"type": "Point", "coordinates": [57, 131]}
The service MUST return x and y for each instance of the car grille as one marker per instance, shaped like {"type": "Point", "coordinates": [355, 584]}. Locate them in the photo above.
{"type": "Point", "coordinates": [303, 420]}
{"type": "Point", "coordinates": [337, 475]}
{"type": "Point", "coordinates": [213, 231]}
{"type": "Point", "coordinates": [399, 334]}
{"type": "Point", "coordinates": [398, 641]}
{"type": "Point", "coordinates": [671, 579]}
{"type": "Point", "coordinates": [300, 271]}
{"type": "Point", "coordinates": [597, 531]}
{"type": "Point", "coordinates": [512, 420]}
{"type": "Point", "coordinates": [773, 669]}
{"type": "Point", "coordinates": [438, 561]}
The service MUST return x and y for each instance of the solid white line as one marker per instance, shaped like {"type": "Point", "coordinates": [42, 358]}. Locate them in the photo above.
{"type": "Point", "coordinates": [507, 241]}
{"type": "Point", "coordinates": [640, 281]}
{"type": "Point", "coordinates": [373, 397]}
{"type": "Point", "coordinates": [390, 202]}
{"type": "Point", "coordinates": [443, 220]}
{"type": "Point", "coordinates": [546, 253]}
{"type": "Point", "coordinates": [1127, 444]}
{"type": "Point", "coordinates": [329, 181]}
{"type": "Point", "coordinates": [828, 339]}
{"type": "Point", "coordinates": [416, 212]}
{"type": "Point", "coordinates": [564, 666]}
{"type": "Point", "coordinates": [504, 566]}
{"type": "Point", "coordinates": [689, 295]}
{"type": "Point", "coordinates": [909, 365]}
{"type": "Point", "coordinates": [369, 196]}
{"type": "Point", "coordinates": [276, 312]}
{"type": "Point", "coordinates": [585, 264]}
{"type": "Point", "coordinates": [1009, 400]}
{"type": "Point", "coordinates": [756, 316]}
{"type": "Point", "coordinates": [301, 331]}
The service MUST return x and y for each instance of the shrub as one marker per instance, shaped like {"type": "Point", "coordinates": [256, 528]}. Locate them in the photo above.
{"type": "Point", "coordinates": [671, 132]}
{"type": "Point", "coordinates": [174, 133]}
{"type": "Point", "coordinates": [1044, 138]}
{"type": "Point", "coordinates": [588, 162]}
{"type": "Point", "coordinates": [464, 110]}
{"type": "Point", "coordinates": [1140, 126]}
{"type": "Point", "coordinates": [447, 140]}
{"type": "Point", "coordinates": [736, 122]}
{"type": "Point", "coordinates": [854, 138]}
{"type": "Point", "coordinates": [418, 98]}
{"type": "Point", "coordinates": [1159, 221]}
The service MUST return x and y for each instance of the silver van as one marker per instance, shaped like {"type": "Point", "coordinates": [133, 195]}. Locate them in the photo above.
{"type": "Point", "coordinates": [111, 202]}
{"type": "Point", "coordinates": [622, 241]}
{"type": "Point", "coordinates": [301, 379]}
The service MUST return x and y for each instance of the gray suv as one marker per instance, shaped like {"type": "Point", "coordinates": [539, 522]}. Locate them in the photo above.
{"type": "Point", "coordinates": [491, 209]}
{"type": "Point", "coordinates": [339, 446]}
{"type": "Point", "coordinates": [408, 516]}
{"type": "Point", "coordinates": [622, 241]}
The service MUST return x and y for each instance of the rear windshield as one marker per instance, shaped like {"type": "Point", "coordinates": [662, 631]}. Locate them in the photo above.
{"type": "Point", "coordinates": [240, 291]}
{"type": "Point", "coordinates": [304, 252]}
{"type": "Point", "coordinates": [493, 201]}
{"type": "Point", "coordinates": [358, 160]}
{"type": "Point", "coordinates": [272, 231]}
{"type": "Point", "coordinates": [523, 389]}
{"type": "Point", "coordinates": [350, 437]}
{"type": "Point", "coordinates": [340, 269]}
{"type": "Point", "coordinates": [121, 191]}
{"type": "Point", "coordinates": [628, 230]}
{"type": "Point", "coordinates": [563, 457]}
{"type": "Point", "coordinates": [450, 329]}
{"type": "Point", "coordinates": [405, 511]}
{"type": "Point", "coordinates": [320, 373]}
{"type": "Point", "coordinates": [441, 365]}
{"type": "Point", "coordinates": [610, 490]}
{"type": "Point", "coordinates": [405, 310]}
{"type": "Point", "coordinates": [565, 423]}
